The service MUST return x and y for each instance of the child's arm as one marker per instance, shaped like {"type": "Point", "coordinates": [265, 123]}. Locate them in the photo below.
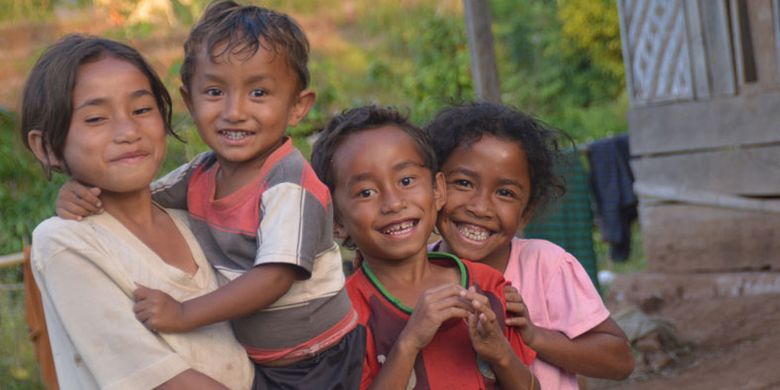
{"type": "Point", "coordinates": [255, 290]}
{"type": "Point", "coordinates": [492, 346]}
{"type": "Point", "coordinates": [601, 352]}
{"type": "Point", "coordinates": [434, 306]}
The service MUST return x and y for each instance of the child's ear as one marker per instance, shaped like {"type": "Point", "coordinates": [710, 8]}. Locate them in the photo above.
{"type": "Point", "coordinates": [185, 95]}
{"type": "Point", "coordinates": [43, 153]}
{"type": "Point", "coordinates": [301, 106]}
{"type": "Point", "coordinates": [338, 230]}
{"type": "Point", "coordinates": [439, 190]}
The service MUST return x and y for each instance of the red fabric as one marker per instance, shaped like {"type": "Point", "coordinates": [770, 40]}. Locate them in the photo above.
{"type": "Point", "coordinates": [449, 361]}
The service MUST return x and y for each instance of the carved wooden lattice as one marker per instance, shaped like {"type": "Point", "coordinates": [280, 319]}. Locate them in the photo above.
{"type": "Point", "coordinates": [656, 50]}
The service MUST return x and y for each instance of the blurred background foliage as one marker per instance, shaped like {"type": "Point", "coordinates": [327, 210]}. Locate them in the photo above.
{"type": "Point", "coordinates": [558, 59]}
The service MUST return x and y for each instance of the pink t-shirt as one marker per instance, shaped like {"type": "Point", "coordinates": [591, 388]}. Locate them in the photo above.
{"type": "Point", "coordinates": [559, 296]}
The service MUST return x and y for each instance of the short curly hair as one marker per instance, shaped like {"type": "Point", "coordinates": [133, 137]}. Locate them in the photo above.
{"type": "Point", "coordinates": [244, 29]}
{"type": "Point", "coordinates": [360, 119]}
{"type": "Point", "coordinates": [465, 124]}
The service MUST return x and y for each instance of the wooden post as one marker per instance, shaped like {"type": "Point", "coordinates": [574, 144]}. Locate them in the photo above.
{"type": "Point", "coordinates": [483, 56]}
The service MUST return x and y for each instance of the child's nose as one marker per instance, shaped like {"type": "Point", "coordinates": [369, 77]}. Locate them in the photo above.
{"type": "Point", "coordinates": [392, 202]}
{"type": "Point", "coordinates": [479, 204]}
{"type": "Point", "coordinates": [234, 110]}
{"type": "Point", "coordinates": [126, 130]}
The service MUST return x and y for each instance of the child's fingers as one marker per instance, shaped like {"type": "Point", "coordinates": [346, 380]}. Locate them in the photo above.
{"type": "Point", "coordinates": [512, 295]}
{"type": "Point", "coordinates": [472, 295]}
{"type": "Point", "coordinates": [141, 292]}
{"type": "Point", "coordinates": [74, 210]}
{"type": "Point", "coordinates": [516, 309]}
{"type": "Point", "coordinates": [516, 322]}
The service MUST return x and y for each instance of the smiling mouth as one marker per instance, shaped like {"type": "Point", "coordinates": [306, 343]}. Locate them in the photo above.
{"type": "Point", "coordinates": [473, 232]}
{"type": "Point", "coordinates": [129, 158]}
{"type": "Point", "coordinates": [401, 228]}
{"type": "Point", "coordinates": [234, 135]}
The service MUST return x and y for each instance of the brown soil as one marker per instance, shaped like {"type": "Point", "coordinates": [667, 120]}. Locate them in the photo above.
{"type": "Point", "coordinates": [730, 343]}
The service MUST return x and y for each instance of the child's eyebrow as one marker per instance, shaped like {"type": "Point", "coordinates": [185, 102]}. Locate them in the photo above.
{"type": "Point", "coordinates": [406, 164]}
{"type": "Point", "coordinates": [251, 80]}
{"type": "Point", "coordinates": [359, 177]}
{"type": "Point", "coordinates": [464, 171]}
{"type": "Point", "coordinates": [510, 182]}
{"type": "Point", "coordinates": [99, 101]}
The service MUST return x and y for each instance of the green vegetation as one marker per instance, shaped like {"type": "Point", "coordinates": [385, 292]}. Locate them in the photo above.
{"type": "Point", "coordinates": [560, 60]}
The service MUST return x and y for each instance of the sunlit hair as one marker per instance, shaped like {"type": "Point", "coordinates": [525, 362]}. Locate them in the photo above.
{"type": "Point", "coordinates": [354, 121]}
{"type": "Point", "coordinates": [462, 125]}
{"type": "Point", "coordinates": [231, 29]}
{"type": "Point", "coordinates": [47, 98]}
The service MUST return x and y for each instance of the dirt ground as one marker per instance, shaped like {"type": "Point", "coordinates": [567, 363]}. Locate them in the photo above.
{"type": "Point", "coordinates": [726, 343]}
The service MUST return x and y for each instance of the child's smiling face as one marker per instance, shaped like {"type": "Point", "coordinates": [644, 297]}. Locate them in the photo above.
{"type": "Point", "coordinates": [116, 138]}
{"type": "Point", "coordinates": [385, 198]}
{"type": "Point", "coordinates": [242, 106]}
{"type": "Point", "coordinates": [488, 187]}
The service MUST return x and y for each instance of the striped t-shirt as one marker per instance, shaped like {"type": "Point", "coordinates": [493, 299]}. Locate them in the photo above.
{"type": "Point", "coordinates": [285, 215]}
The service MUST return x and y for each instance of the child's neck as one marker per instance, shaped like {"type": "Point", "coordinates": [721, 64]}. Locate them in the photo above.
{"type": "Point", "coordinates": [130, 208]}
{"type": "Point", "coordinates": [409, 278]}
{"type": "Point", "coordinates": [498, 263]}
{"type": "Point", "coordinates": [233, 175]}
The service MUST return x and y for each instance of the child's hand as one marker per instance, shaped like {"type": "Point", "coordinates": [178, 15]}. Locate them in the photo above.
{"type": "Point", "coordinates": [76, 201]}
{"type": "Point", "coordinates": [486, 335]}
{"type": "Point", "coordinates": [158, 311]}
{"type": "Point", "coordinates": [434, 306]}
{"type": "Point", "coordinates": [517, 315]}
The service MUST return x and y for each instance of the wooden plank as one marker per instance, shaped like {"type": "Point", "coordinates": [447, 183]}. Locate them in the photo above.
{"type": "Point", "coordinates": [686, 238]}
{"type": "Point", "coordinates": [776, 19]}
{"type": "Point", "coordinates": [764, 45]}
{"type": "Point", "coordinates": [753, 171]}
{"type": "Point", "coordinates": [736, 34]}
{"type": "Point", "coordinates": [623, 16]}
{"type": "Point", "coordinates": [720, 56]}
{"type": "Point", "coordinates": [701, 85]}
{"type": "Point", "coordinates": [483, 57]}
{"type": "Point", "coordinates": [11, 260]}
{"type": "Point", "coordinates": [690, 126]}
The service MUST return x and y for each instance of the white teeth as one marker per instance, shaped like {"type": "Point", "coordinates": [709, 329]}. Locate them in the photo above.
{"type": "Point", "coordinates": [399, 228]}
{"type": "Point", "coordinates": [472, 232]}
{"type": "Point", "coordinates": [234, 135]}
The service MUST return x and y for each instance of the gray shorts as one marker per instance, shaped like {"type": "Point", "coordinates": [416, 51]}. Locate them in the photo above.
{"type": "Point", "coordinates": [337, 368]}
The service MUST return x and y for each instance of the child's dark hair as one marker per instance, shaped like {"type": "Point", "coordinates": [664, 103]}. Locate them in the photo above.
{"type": "Point", "coordinates": [465, 124]}
{"type": "Point", "coordinates": [47, 99]}
{"type": "Point", "coordinates": [359, 119]}
{"type": "Point", "coordinates": [242, 30]}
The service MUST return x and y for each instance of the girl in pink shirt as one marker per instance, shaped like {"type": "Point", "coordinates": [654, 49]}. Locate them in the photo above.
{"type": "Point", "coordinates": [498, 168]}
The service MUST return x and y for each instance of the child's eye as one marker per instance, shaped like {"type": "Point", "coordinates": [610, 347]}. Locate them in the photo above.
{"type": "Point", "coordinates": [142, 111]}
{"type": "Point", "coordinates": [94, 119]}
{"type": "Point", "coordinates": [258, 93]}
{"type": "Point", "coordinates": [214, 92]}
{"type": "Point", "coordinates": [506, 193]}
{"type": "Point", "coordinates": [367, 193]}
{"type": "Point", "coordinates": [407, 181]}
{"type": "Point", "coordinates": [462, 183]}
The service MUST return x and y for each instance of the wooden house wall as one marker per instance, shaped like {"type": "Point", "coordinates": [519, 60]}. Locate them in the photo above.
{"type": "Point", "coordinates": [703, 78]}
